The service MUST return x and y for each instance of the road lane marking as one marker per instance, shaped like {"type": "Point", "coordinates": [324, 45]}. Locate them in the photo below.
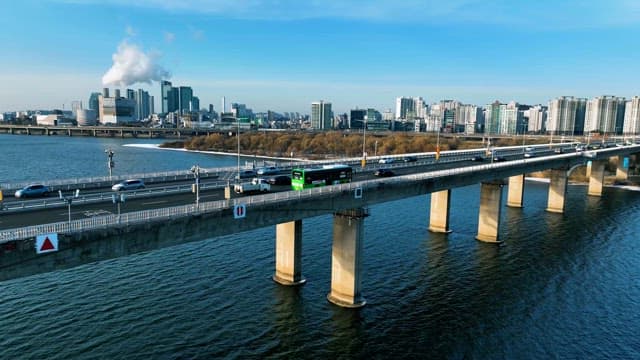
{"type": "Point", "coordinates": [154, 202]}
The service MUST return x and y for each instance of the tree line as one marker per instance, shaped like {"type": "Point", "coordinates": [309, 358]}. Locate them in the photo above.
{"type": "Point", "coordinates": [328, 144]}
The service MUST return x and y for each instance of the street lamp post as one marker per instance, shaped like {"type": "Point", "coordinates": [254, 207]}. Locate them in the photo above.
{"type": "Point", "coordinates": [110, 162]}
{"type": "Point", "coordinates": [438, 143]}
{"type": "Point", "coordinates": [524, 137]}
{"type": "Point", "coordinates": [118, 199]}
{"type": "Point", "coordinates": [69, 199]}
{"type": "Point", "coordinates": [196, 174]}
{"type": "Point", "coordinates": [364, 143]}
{"type": "Point", "coordinates": [375, 149]}
{"type": "Point", "coordinates": [238, 136]}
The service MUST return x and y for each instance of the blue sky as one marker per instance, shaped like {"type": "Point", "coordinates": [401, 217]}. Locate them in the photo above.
{"type": "Point", "coordinates": [282, 55]}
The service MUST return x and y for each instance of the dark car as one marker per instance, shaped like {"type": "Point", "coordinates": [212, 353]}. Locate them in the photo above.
{"type": "Point", "coordinates": [499, 158]}
{"type": "Point", "coordinates": [279, 180]}
{"type": "Point", "coordinates": [477, 158]}
{"type": "Point", "coordinates": [383, 173]}
{"type": "Point", "coordinates": [246, 174]}
{"type": "Point", "coordinates": [33, 190]}
{"type": "Point", "coordinates": [409, 159]}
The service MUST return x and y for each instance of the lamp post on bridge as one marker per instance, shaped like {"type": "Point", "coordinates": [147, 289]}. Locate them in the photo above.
{"type": "Point", "coordinates": [364, 143]}
{"type": "Point", "coordinates": [110, 162]}
{"type": "Point", "coordinates": [118, 199]}
{"type": "Point", "coordinates": [196, 187]}
{"type": "Point", "coordinates": [69, 199]}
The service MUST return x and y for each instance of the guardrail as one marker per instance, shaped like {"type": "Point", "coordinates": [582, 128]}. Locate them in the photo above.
{"type": "Point", "coordinates": [188, 210]}
{"type": "Point", "coordinates": [53, 202]}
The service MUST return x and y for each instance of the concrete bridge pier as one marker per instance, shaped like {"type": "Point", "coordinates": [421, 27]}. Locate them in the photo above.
{"type": "Point", "coordinates": [439, 213]}
{"type": "Point", "coordinates": [289, 253]}
{"type": "Point", "coordinates": [490, 209]}
{"type": "Point", "coordinates": [557, 190]}
{"type": "Point", "coordinates": [516, 191]}
{"type": "Point", "coordinates": [596, 179]}
{"type": "Point", "coordinates": [69, 132]}
{"type": "Point", "coordinates": [346, 252]}
{"type": "Point", "coordinates": [622, 169]}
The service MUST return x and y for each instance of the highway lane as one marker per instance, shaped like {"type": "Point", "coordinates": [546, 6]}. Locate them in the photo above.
{"type": "Point", "coordinates": [10, 220]}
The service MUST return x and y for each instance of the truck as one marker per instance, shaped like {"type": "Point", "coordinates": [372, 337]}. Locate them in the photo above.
{"type": "Point", "coordinates": [254, 186]}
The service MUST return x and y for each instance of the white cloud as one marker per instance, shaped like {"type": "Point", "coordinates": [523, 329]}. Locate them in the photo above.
{"type": "Point", "coordinates": [131, 65]}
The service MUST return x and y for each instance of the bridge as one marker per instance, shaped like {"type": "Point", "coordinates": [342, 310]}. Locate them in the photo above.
{"type": "Point", "coordinates": [112, 131]}
{"type": "Point", "coordinates": [102, 237]}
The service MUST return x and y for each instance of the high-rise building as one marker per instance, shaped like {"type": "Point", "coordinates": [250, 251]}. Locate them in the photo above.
{"type": "Point", "coordinates": [493, 117]}
{"type": "Point", "coordinates": [241, 110]}
{"type": "Point", "coordinates": [565, 115]}
{"type": "Point", "coordinates": [470, 118]}
{"type": "Point", "coordinates": [195, 103]}
{"type": "Point", "coordinates": [632, 116]}
{"type": "Point", "coordinates": [93, 101]}
{"type": "Point", "coordinates": [511, 121]}
{"type": "Point", "coordinates": [537, 119]}
{"type": "Point", "coordinates": [356, 118]}
{"type": "Point", "coordinates": [143, 104]}
{"type": "Point", "coordinates": [605, 115]}
{"type": "Point", "coordinates": [410, 108]}
{"type": "Point", "coordinates": [186, 95]}
{"type": "Point", "coordinates": [165, 89]}
{"type": "Point", "coordinates": [321, 115]}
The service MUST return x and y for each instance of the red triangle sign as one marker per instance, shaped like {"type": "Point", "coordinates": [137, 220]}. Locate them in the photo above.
{"type": "Point", "coordinates": [47, 245]}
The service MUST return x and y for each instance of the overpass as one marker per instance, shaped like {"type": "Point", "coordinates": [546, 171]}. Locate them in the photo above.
{"type": "Point", "coordinates": [111, 131]}
{"type": "Point", "coordinates": [88, 240]}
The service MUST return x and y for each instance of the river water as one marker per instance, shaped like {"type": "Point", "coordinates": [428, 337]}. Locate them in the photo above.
{"type": "Point", "coordinates": [560, 285]}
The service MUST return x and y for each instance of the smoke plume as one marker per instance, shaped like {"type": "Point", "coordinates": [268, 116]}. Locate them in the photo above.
{"type": "Point", "coordinates": [131, 65]}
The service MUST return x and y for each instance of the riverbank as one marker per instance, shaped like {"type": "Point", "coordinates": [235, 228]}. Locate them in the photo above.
{"type": "Point", "coordinates": [242, 155]}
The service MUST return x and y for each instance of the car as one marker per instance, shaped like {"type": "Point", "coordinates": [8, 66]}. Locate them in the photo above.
{"type": "Point", "coordinates": [387, 161]}
{"type": "Point", "coordinates": [279, 180]}
{"type": "Point", "coordinates": [383, 173]}
{"type": "Point", "coordinates": [33, 190]}
{"type": "Point", "coordinates": [478, 158]}
{"type": "Point", "coordinates": [131, 184]}
{"type": "Point", "coordinates": [498, 158]}
{"type": "Point", "coordinates": [269, 170]}
{"type": "Point", "coordinates": [409, 159]}
{"type": "Point", "coordinates": [246, 174]}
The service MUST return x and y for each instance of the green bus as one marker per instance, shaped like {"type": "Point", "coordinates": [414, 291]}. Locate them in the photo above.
{"type": "Point", "coordinates": [326, 175]}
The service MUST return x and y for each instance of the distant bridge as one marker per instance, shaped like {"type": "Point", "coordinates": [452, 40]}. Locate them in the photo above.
{"type": "Point", "coordinates": [113, 131]}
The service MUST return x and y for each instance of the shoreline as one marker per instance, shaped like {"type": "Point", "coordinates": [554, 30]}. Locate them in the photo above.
{"type": "Point", "coordinates": [157, 147]}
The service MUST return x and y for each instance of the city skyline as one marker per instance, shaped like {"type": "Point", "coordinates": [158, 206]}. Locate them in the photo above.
{"type": "Point", "coordinates": [283, 56]}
